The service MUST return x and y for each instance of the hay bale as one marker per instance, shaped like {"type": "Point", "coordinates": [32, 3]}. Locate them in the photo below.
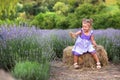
{"type": "Point", "coordinates": [86, 59]}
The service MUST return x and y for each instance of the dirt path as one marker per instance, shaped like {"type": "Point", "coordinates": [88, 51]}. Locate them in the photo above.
{"type": "Point", "coordinates": [61, 72]}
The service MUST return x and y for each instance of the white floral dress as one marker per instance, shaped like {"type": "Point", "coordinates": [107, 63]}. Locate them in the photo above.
{"type": "Point", "coordinates": [83, 44]}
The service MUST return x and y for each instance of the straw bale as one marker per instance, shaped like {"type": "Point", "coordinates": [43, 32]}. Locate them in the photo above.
{"type": "Point", "coordinates": [86, 60]}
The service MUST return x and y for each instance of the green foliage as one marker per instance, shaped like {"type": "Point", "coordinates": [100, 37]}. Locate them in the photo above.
{"type": "Point", "coordinates": [118, 3]}
{"type": "Point", "coordinates": [73, 21]}
{"type": "Point", "coordinates": [7, 21]}
{"type": "Point", "coordinates": [114, 21]}
{"type": "Point", "coordinates": [38, 20]}
{"type": "Point", "coordinates": [16, 50]}
{"type": "Point", "coordinates": [101, 8]}
{"type": "Point", "coordinates": [31, 8]}
{"type": "Point", "coordinates": [19, 7]}
{"type": "Point", "coordinates": [49, 14]}
{"type": "Point", "coordinates": [95, 1]}
{"type": "Point", "coordinates": [62, 22]}
{"type": "Point", "coordinates": [7, 59]}
{"type": "Point", "coordinates": [31, 71]}
{"type": "Point", "coordinates": [7, 10]}
{"type": "Point", "coordinates": [27, 48]}
{"type": "Point", "coordinates": [61, 8]}
{"type": "Point", "coordinates": [106, 20]}
{"type": "Point", "coordinates": [100, 21]}
{"type": "Point", "coordinates": [112, 50]}
{"type": "Point", "coordinates": [85, 11]}
{"type": "Point", "coordinates": [112, 8]}
{"type": "Point", "coordinates": [59, 44]}
{"type": "Point", "coordinates": [50, 20]}
{"type": "Point", "coordinates": [100, 14]}
{"type": "Point", "coordinates": [45, 20]}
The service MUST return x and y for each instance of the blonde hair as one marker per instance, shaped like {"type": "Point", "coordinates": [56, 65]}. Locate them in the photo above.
{"type": "Point", "coordinates": [90, 21]}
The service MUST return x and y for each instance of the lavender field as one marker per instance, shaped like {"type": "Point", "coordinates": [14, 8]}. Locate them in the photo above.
{"type": "Point", "coordinates": [21, 43]}
{"type": "Point", "coordinates": [52, 42]}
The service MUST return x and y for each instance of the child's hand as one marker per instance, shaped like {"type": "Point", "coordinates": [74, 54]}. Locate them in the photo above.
{"type": "Point", "coordinates": [72, 35]}
{"type": "Point", "coordinates": [95, 46]}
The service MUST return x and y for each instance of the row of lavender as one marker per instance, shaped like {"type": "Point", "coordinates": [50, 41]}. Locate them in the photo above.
{"type": "Point", "coordinates": [23, 52]}
{"type": "Point", "coordinates": [108, 38]}
{"type": "Point", "coordinates": [20, 43]}
{"type": "Point", "coordinates": [56, 40]}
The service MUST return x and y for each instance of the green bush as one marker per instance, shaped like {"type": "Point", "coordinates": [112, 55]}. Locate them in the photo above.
{"type": "Point", "coordinates": [85, 11]}
{"type": "Point", "coordinates": [112, 49]}
{"type": "Point", "coordinates": [62, 22]}
{"type": "Point", "coordinates": [73, 21]}
{"type": "Point", "coordinates": [118, 3]}
{"type": "Point", "coordinates": [7, 59]}
{"type": "Point", "coordinates": [7, 21]}
{"type": "Point", "coordinates": [31, 8]}
{"type": "Point", "coordinates": [114, 21]}
{"type": "Point", "coordinates": [61, 8]}
{"type": "Point", "coordinates": [15, 50]}
{"type": "Point", "coordinates": [101, 8]}
{"type": "Point", "coordinates": [50, 20]}
{"type": "Point", "coordinates": [31, 71]}
{"type": "Point", "coordinates": [59, 44]}
{"type": "Point", "coordinates": [45, 20]}
{"type": "Point", "coordinates": [27, 48]}
{"type": "Point", "coordinates": [106, 20]}
{"type": "Point", "coordinates": [7, 56]}
{"type": "Point", "coordinates": [100, 21]}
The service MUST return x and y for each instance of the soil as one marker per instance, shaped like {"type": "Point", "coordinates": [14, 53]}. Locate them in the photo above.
{"type": "Point", "coordinates": [60, 71]}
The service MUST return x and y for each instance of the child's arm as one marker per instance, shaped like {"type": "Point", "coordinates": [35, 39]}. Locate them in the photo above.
{"type": "Point", "coordinates": [74, 35]}
{"type": "Point", "coordinates": [93, 40]}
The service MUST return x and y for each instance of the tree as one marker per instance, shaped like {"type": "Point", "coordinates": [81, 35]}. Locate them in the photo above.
{"type": "Point", "coordinates": [8, 9]}
{"type": "Point", "coordinates": [61, 8]}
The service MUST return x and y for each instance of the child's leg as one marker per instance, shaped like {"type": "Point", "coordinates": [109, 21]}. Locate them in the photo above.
{"type": "Point", "coordinates": [95, 57]}
{"type": "Point", "coordinates": [75, 59]}
{"type": "Point", "coordinates": [76, 66]}
{"type": "Point", "coordinates": [97, 60]}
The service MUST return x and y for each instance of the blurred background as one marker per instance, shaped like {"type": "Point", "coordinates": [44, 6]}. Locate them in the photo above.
{"type": "Point", "coordinates": [63, 14]}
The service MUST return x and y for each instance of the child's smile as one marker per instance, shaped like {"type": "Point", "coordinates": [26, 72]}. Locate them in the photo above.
{"type": "Point", "coordinates": [86, 28]}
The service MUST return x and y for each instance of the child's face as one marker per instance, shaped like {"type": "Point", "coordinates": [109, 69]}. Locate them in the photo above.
{"type": "Point", "coordinates": [86, 26]}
